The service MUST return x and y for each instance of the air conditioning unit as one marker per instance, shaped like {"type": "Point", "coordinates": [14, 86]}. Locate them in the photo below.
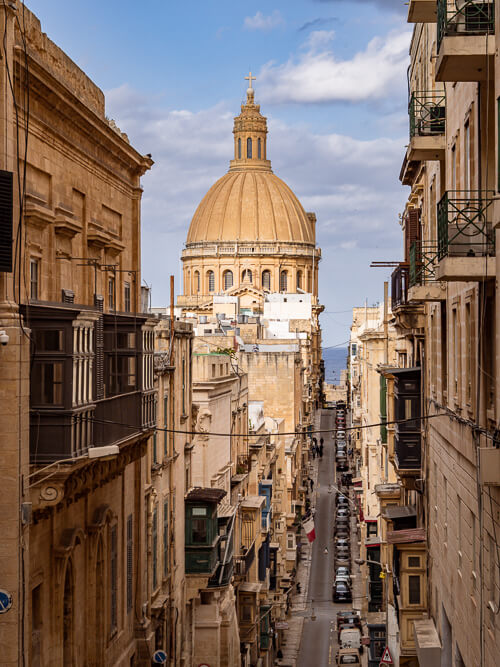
{"type": "Point", "coordinates": [432, 120]}
{"type": "Point", "coordinates": [465, 240]}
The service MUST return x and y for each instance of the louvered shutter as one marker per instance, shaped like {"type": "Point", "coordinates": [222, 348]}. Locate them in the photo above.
{"type": "Point", "coordinates": [412, 230]}
{"type": "Point", "coordinates": [6, 221]}
{"type": "Point", "coordinates": [99, 348]}
{"type": "Point", "coordinates": [130, 562]}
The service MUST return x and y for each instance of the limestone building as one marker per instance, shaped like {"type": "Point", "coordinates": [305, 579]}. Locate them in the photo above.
{"type": "Point", "coordinates": [442, 554]}
{"type": "Point", "coordinates": [76, 375]}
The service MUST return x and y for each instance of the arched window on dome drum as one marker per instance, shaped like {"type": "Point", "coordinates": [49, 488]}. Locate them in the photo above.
{"type": "Point", "coordinates": [239, 149]}
{"type": "Point", "coordinates": [266, 279]}
{"type": "Point", "coordinates": [210, 281]}
{"type": "Point", "coordinates": [249, 147]}
{"type": "Point", "coordinates": [259, 149]}
{"type": "Point", "coordinates": [299, 279]}
{"type": "Point", "coordinates": [228, 279]}
{"type": "Point", "coordinates": [197, 282]}
{"type": "Point", "coordinates": [283, 281]}
{"type": "Point", "coordinates": [247, 275]}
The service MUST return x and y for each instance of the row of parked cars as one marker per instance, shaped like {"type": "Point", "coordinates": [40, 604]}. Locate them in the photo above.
{"type": "Point", "coordinates": [348, 622]}
{"type": "Point", "coordinates": [341, 451]}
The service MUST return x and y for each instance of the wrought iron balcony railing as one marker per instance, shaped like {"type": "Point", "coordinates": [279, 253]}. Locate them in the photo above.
{"type": "Point", "coordinates": [423, 262]}
{"type": "Point", "coordinates": [399, 285]}
{"type": "Point", "coordinates": [464, 227]}
{"type": "Point", "coordinates": [427, 111]}
{"type": "Point", "coordinates": [465, 17]}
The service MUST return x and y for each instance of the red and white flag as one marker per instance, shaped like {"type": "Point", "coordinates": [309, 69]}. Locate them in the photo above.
{"type": "Point", "coordinates": [308, 526]}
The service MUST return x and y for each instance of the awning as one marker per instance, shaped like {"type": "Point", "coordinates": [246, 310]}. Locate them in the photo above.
{"type": "Point", "coordinates": [253, 502]}
{"type": "Point", "coordinates": [210, 495]}
{"type": "Point", "coordinates": [399, 512]}
{"type": "Point", "coordinates": [406, 536]}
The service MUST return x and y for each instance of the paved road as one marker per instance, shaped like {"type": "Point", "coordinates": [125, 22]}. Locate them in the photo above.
{"type": "Point", "coordinates": [319, 640]}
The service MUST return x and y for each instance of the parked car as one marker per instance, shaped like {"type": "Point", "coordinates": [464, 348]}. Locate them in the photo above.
{"type": "Point", "coordinates": [340, 497]}
{"type": "Point", "coordinates": [342, 511]}
{"type": "Point", "coordinates": [350, 637]}
{"type": "Point", "coordinates": [342, 559]}
{"type": "Point", "coordinates": [342, 531]}
{"type": "Point", "coordinates": [349, 656]}
{"type": "Point", "coordinates": [342, 542]}
{"type": "Point", "coordinates": [342, 464]}
{"type": "Point", "coordinates": [343, 501]}
{"type": "Point", "coordinates": [341, 592]}
{"type": "Point", "coordinates": [343, 572]}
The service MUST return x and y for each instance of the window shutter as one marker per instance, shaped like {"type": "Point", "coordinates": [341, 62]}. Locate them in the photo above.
{"type": "Point", "coordinates": [130, 562]}
{"type": "Point", "coordinates": [412, 230]}
{"type": "Point", "coordinates": [6, 221]}
{"type": "Point", "coordinates": [165, 538]}
{"type": "Point", "coordinates": [99, 348]}
{"type": "Point", "coordinates": [154, 548]}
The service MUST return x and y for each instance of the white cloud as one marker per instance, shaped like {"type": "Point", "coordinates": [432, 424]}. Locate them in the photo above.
{"type": "Point", "coordinates": [319, 76]}
{"type": "Point", "coordinates": [262, 22]}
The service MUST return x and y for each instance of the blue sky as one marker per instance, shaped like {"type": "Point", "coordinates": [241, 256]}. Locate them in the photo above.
{"type": "Point", "coordinates": [331, 80]}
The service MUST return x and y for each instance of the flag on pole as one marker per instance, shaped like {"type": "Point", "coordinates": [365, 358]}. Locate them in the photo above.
{"type": "Point", "coordinates": [308, 526]}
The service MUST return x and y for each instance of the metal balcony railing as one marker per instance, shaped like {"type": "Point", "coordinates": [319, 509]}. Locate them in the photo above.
{"type": "Point", "coordinates": [465, 17]}
{"type": "Point", "coordinates": [464, 227]}
{"type": "Point", "coordinates": [423, 262]}
{"type": "Point", "coordinates": [427, 111]}
{"type": "Point", "coordinates": [399, 285]}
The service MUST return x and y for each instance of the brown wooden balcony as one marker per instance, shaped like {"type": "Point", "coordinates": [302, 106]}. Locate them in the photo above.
{"type": "Point", "coordinates": [399, 285]}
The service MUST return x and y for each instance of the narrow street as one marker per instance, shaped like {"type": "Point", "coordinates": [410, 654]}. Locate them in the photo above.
{"type": "Point", "coordinates": [319, 637]}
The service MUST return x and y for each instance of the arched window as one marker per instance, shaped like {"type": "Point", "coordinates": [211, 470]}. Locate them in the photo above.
{"type": "Point", "coordinates": [299, 279]}
{"type": "Point", "coordinates": [249, 147]}
{"type": "Point", "coordinates": [197, 282]}
{"type": "Point", "coordinates": [210, 281]}
{"type": "Point", "coordinates": [228, 279]}
{"type": "Point", "coordinates": [309, 282]}
{"type": "Point", "coordinates": [266, 279]}
{"type": "Point", "coordinates": [259, 149]}
{"type": "Point", "coordinates": [239, 149]}
{"type": "Point", "coordinates": [283, 281]}
{"type": "Point", "coordinates": [246, 275]}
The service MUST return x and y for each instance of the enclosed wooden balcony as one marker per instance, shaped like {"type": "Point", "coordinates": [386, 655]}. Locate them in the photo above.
{"type": "Point", "coordinates": [399, 285]}
{"type": "Point", "coordinates": [466, 242]}
{"type": "Point", "coordinates": [466, 41]}
{"type": "Point", "coordinates": [422, 11]}
{"type": "Point", "coordinates": [407, 412]}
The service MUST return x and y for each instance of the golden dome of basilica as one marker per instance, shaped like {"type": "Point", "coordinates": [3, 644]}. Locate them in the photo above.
{"type": "Point", "coordinates": [250, 203]}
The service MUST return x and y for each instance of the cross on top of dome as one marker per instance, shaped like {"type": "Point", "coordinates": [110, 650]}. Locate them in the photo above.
{"type": "Point", "coordinates": [250, 90]}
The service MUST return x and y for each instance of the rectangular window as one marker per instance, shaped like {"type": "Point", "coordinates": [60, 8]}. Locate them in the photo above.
{"type": "Point", "coordinates": [130, 562]}
{"type": "Point", "coordinates": [154, 548]}
{"type": "Point", "coordinates": [111, 293]}
{"type": "Point", "coordinates": [34, 271]}
{"type": "Point", "coordinates": [122, 373]}
{"type": "Point", "coordinates": [467, 159]}
{"type": "Point", "coordinates": [48, 340]}
{"type": "Point", "coordinates": [414, 596]}
{"type": "Point", "coordinates": [165, 538]}
{"type": "Point", "coordinates": [126, 297]}
{"type": "Point", "coordinates": [36, 625]}
{"type": "Point", "coordinates": [155, 448]}
{"type": "Point", "coordinates": [183, 386]}
{"type": "Point", "coordinates": [469, 352]}
{"type": "Point", "coordinates": [199, 531]}
{"type": "Point", "coordinates": [454, 167]}
{"type": "Point", "coordinates": [444, 352]}
{"type": "Point", "coordinates": [413, 561]}
{"type": "Point", "coordinates": [165, 425]}
{"type": "Point", "coordinates": [456, 352]}
{"type": "Point", "coordinates": [459, 533]}
{"type": "Point", "coordinates": [113, 580]}
{"type": "Point", "coordinates": [47, 384]}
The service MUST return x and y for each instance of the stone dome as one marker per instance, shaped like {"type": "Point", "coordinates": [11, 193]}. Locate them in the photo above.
{"type": "Point", "coordinates": [250, 205]}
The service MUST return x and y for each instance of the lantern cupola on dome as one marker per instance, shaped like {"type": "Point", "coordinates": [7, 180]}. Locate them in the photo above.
{"type": "Point", "coordinates": [250, 135]}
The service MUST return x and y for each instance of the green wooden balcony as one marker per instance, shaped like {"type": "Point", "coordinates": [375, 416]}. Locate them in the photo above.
{"type": "Point", "coordinates": [462, 49]}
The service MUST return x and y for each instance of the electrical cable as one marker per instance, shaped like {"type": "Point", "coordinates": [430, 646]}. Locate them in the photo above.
{"type": "Point", "coordinates": [259, 435]}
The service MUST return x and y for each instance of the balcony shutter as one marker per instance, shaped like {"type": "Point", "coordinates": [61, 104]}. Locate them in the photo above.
{"type": "Point", "coordinates": [114, 579]}
{"type": "Point", "coordinates": [6, 221]}
{"type": "Point", "coordinates": [99, 348]}
{"type": "Point", "coordinates": [412, 230]}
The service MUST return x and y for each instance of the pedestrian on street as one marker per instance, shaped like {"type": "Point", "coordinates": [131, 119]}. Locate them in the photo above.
{"type": "Point", "coordinates": [326, 550]}
{"type": "Point", "coordinates": [321, 451]}
{"type": "Point", "coordinates": [314, 452]}
{"type": "Point", "coordinates": [315, 442]}
{"type": "Point", "coordinates": [298, 587]}
{"type": "Point", "coordinates": [312, 485]}
{"type": "Point", "coordinates": [321, 441]}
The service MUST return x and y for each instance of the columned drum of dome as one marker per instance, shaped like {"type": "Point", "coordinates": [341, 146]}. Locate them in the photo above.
{"type": "Point", "coordinates": [249, 225]}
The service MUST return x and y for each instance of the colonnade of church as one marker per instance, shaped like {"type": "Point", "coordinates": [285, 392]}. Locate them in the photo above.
{"type": "Point", "coordinates": [207, 278]}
